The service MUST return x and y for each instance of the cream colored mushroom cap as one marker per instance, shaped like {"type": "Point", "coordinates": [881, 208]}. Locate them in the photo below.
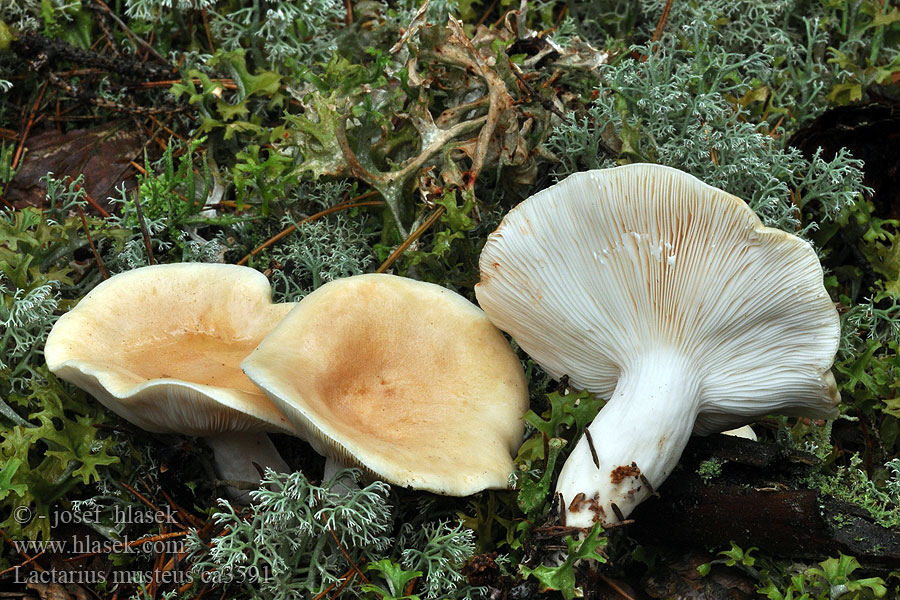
{"type": "Point", "coordinates": [161, 346]}
{"type": "Point", "coordinates": [607, 265]}
{"type": "Point", "coordinates": [406, 379]}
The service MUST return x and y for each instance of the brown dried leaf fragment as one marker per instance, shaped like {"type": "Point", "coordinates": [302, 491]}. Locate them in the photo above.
{"type": "Point", "coordinates": [102, 154]}
{"type": "Point", "coordinates": [619, 474]}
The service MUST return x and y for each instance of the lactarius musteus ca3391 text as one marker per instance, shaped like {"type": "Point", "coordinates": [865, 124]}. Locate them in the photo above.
{"type": "Point", "coordinates": [643, 284]}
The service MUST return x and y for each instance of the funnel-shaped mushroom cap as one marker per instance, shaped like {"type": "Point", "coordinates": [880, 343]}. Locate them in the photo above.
{"type": "Point", "coordinates": [406, 379]}
{"type": "Point", "coordinates": [162, 345]}
{"type": "Point", "coordinates": [647, 284]}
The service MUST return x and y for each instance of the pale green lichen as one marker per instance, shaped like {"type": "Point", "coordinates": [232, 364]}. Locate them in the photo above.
{"type": "Point", "coordinates": [319, 252]}
{"type": "Point", "coordinates": [677, 108]}
{"type": "Point", "coordinates": [26, 317]}
{"type": "Point", "coordinates": [299, 539]}
{"type": "Point", "coordinates": [150, 10]}
{"type": "Point", "coordinates": [293, 33]}
{"type": "Point", "coordinates": [852, 484]}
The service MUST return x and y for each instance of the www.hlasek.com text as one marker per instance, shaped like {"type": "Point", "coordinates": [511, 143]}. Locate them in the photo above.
{"type": "Point", "coordinates": [77, 546]}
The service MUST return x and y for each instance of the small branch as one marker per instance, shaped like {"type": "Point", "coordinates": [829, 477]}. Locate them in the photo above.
{"type": "Point", "coordinates": [356, 168]}
{"type": "Point", "coordinates": [347, 556]}
{"type": "Point", "coordinates": [344, 579]}
{"type": "Point", "coordinates": [140, 496]}
{"type": "Point", "coordinates": [130, 34]}
{"type": "Point", "coordinates": [661, 24]}
{"type": "Point", "coordinates": [590, 441]}
{"type": "Point", "coordinates": [485, 14]}
{"type": "Point", "coordinates": [28, 125]}
{"type": "Point", "coordinates": [443, 138]}
{"type": "Point", "coordinates": [618, 589]}
{"type": "Point", "coordinates": [145, 233]}
{"type": "Point", "coordinates": [91, 243]}
{"type": "Point", "coordinates": [349, 19]}
{"type": "Point", "coordinates": [190, 519]}
{"type": "Point", "coordinates": [454, 113]}
{"type": "Point", "coordinates": [28, 559]}
{"type": "Point", "coordinates": [225, 82]}
{"type": "Point", "coordinates": [206, 29]}
{"type": "Point", "coordinates": [412, 237]}
{"type": "Point", "coordinates": [337, 592]}
{"type": "Point", "coordinates": [318, 215]}
{"type": "Point", "coordinates": [90, 200]}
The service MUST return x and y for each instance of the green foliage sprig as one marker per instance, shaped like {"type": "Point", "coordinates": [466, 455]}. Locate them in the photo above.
{"type": "Point", "coordinates": [830, 580]}
{"type": "Point", "coordinates": [58, 448]}
{"type": "Point", "coordinates": [562, 577]}
{"type": "Point", "coordinates": [734, 556]}
{"type": "Point", "coordinates": [540, 454]}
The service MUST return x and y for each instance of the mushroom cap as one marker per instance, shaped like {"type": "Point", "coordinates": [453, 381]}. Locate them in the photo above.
{"type": "Point", "coordinates": [161, 346]}
{"type": "Point", "coordinates": [406, 379]}
{"type": "Point", "coordinates": [609, 265]}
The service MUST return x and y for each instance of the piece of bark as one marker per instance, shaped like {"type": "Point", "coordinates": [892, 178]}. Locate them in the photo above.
{"type": "Point", "coordinates": [102, 154]}
{"type": "Point", "coordinates": [56, 591]}
{"type": "Point", "coordinates": [758, 501]}
{"type": "Point", "coordinates": [676, 576]}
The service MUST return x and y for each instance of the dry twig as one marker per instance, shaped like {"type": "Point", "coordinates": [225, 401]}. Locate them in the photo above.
{"type": "Point", "coordinates": [431, 220]}
{"type": "Point", "coordinates": [318, 215]}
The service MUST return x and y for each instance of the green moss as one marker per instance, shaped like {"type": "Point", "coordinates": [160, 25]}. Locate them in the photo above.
{"type": "Point", "coordinates": [710, 469]}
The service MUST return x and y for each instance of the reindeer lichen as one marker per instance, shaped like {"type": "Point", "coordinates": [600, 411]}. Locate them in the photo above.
{"type": "Point", "coordinates": [299, 539]}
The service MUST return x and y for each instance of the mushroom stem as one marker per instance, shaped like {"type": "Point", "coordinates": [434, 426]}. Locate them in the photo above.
{"type": "Point", "coordinates": [236, 455]}
{"type": "Point", "coordinates": [635, 441]}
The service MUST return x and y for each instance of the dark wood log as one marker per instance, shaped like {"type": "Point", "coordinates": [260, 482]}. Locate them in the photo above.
{"type": "Point", "coordinates": [758, 500]}
{"type": "Point", "coordinates": [34, 46]}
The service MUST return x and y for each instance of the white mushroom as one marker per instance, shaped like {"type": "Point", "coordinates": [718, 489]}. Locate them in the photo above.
{"type": "Point", "coordinates": [646, 285]}
{"type": "Point", "coordinates": [406, 379]}
{"type": "Point", "coordinates": [745, 432]}
{"type": "Point", "coordinates": [161, 347]}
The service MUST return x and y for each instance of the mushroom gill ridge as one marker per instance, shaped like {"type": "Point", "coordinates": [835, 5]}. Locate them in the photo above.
{"type": "Point", "coordinates": [656, 277]}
